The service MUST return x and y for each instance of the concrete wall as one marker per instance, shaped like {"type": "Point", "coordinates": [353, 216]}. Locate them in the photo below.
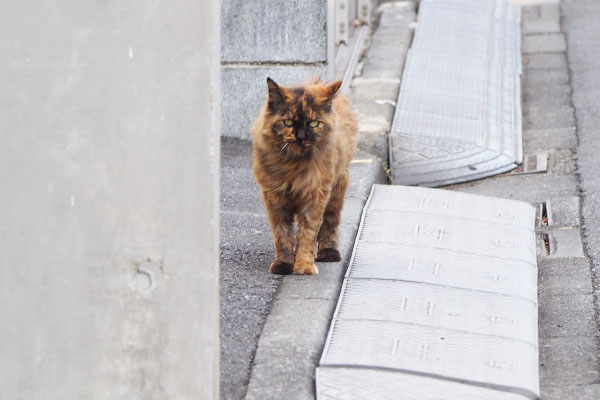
{"type": "Point", "coordinates": [284, 39]}
{"type": "Point", "coordinates": [109, 199]}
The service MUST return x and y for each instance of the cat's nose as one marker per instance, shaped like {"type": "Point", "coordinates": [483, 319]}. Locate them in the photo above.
{"type": "Point", "coordinates": [300, 135]}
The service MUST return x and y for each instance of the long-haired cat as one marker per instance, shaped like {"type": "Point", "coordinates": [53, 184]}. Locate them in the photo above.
{"type": "Point", "coordinates": [303, 141]}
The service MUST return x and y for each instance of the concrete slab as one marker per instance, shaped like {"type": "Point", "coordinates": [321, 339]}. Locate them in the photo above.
{"type": "Point", "coordinates": [563, 212]}
{"type": "Point", "coordinates": [365, 170]}
{"type": "Point", "coordinates": [391, 317]}
{"type": "Point", "coordinates": [546, 76]}
{"type": "Point", "coordinates": [534, 90]}
{"type": "Point", "coordinates": [564, 276]}
{"type": "Point", "coordinates": [381, 61]}
{"type": "Point", "coordinates": [582, 392]}
{"type": "Point", "coordinates": [541, 18]}
{"type": "Point", "coordinates": [565, 243]}
{"type": "Point", "coordinates": [375, 91]}
{"type": "Point", "coordinates": [266, 31]}
{"type": "Point", "coordinates": [545, 61]}
{"type": "Point", "coordinates": [567, 316]}
{"type": "Point", "coordinates": [569, 361]}
{"type": "Point", "coordinates": [544, 43]}
{"type": "Point", "coordinates": [543, 97]}
{"type": "Point", "coordinates": [561, 162]}
{"type": "Point", "coordinates": [535, 188]}
{"type": "Point", "coordinates": [544, 139]}
{"type": "Point", "coordinates": [557, 114]}
{"type": "Point", "coordinates": [374, 98]}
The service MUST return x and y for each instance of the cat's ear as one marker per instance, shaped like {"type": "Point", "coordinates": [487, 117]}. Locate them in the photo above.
{"type": "Point", "coordinates": [332, 89]}
{"type": "Point", "coordinates": [276, 95]}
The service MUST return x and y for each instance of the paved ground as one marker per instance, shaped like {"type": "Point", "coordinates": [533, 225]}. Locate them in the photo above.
{"type": "Point", "coordinates": [247, 289]}
{"type": "Point", "coordinates": [561, 99]}
{"type": "Point", "coordinates": [580, 23]}
{"type": "Point", "coordinates": [273, 323]}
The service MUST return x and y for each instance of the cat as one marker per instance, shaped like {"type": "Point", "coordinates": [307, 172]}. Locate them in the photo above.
{"type": "Point", "coordinates": [303, 141]}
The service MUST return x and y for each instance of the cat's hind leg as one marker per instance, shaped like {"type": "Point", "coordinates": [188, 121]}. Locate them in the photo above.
{"type": "Point", "coordinates": [281, 220]}
{"type": "Point", "coordinates": [328, 234]}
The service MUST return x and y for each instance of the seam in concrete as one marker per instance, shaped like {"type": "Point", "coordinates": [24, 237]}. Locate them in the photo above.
{"type": "Point", "coordinates": [257, 64]}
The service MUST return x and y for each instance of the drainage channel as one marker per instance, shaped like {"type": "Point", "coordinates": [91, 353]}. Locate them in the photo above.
{"type": "Point", "coordinates": [439, 301]}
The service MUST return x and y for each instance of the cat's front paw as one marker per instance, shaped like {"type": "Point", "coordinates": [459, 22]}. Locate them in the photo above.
{"type": "Point", "coordinates": [305, 268]}
{"type": "Point", "coordinates": [281, 268]}
{"type": "Point", "coordinates": [328, 255]}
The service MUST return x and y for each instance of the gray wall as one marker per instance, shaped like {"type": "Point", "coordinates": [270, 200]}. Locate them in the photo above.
{"type": "Point", "coordinates": [109, 199]}
{"type": "Point", "coordinates": [284, 39]}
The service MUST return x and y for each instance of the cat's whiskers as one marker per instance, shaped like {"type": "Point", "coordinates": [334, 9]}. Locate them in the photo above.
{"type": "Point", "coordinates": [286, 148]}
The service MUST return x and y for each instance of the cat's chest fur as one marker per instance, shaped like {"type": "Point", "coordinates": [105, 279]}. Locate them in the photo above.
{"type": "Point", "coordinates": [297, 179]}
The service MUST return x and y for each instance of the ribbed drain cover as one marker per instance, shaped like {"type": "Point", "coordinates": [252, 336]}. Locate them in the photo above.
{"type": "Point", "coordinates": [458, 115]}
{"type": "Point", "coordinates": [439, 301]}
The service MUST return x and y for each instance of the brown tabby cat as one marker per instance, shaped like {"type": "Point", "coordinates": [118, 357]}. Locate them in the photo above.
{"type": "Point", "coordinates": [303, 140]}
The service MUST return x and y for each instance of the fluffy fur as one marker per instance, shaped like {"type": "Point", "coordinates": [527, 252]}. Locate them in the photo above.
{"type": "Point", "coordinates": [303, 141]}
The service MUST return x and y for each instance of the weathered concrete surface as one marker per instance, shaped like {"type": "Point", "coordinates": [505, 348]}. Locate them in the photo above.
{"type": "Point", "coordinates": [274, 31]}
{"type": "Point", "coordinates": [109, 216]}
{"type": "Point", "coordinates": [375, 90]}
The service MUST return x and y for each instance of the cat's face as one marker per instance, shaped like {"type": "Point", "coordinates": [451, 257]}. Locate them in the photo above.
{"type": "Point", "coordinates": [301, 117]}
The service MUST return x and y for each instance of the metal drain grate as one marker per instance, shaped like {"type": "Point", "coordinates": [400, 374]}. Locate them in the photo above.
{"type": "Point", "coordinates": [533, 164]}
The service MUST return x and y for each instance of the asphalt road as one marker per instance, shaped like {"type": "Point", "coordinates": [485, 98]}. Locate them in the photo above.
{"type": "Point", "coordinates": [580, 21]}
{"type": "Point", "coordinates": [247, 288]}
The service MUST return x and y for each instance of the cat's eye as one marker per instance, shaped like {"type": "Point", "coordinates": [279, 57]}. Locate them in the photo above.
{"type": "Point", "coordinates": [314, 123]}
{"type": "Point", "coordinates": [288, 122]}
